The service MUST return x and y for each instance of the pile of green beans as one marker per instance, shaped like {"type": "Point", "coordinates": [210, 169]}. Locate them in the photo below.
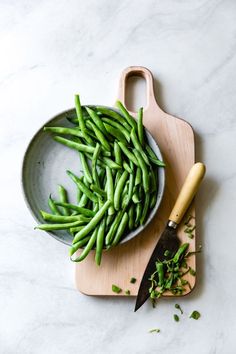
{"type": "Point", "coordinates": [118, 187]}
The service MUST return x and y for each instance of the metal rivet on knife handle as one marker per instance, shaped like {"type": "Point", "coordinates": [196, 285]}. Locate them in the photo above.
{"type": "Point", "coordinates": [187, 192]}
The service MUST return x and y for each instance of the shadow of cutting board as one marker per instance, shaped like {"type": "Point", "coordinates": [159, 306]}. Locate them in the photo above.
{"type": "Point", "coordinates": [175, 138]}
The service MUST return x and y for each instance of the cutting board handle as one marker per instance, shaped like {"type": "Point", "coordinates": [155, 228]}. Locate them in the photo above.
{"type": "Point", "coordinates": [147, 75]}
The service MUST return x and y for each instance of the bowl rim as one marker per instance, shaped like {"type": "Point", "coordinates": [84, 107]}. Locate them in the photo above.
{"type": "Point", "coordinates": [160, 191]}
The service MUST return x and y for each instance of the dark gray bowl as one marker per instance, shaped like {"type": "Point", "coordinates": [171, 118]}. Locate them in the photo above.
{"type": "Point", "coordinates": [44, 167]}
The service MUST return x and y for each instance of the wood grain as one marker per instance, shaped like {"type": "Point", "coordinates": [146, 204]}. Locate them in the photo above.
{"type": "Point", "coordinates": [176, 140]}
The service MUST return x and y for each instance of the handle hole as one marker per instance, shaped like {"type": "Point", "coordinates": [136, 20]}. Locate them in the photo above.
{"type": "Point", "coordinates": [136, 89]}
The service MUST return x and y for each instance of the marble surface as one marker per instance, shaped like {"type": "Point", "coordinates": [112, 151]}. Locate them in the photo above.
{"type": "Point", "coordinates": [48, 51]}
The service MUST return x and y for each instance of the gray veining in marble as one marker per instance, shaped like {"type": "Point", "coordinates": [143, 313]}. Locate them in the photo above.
{"type": "Point", "coordinates": [48, 51]}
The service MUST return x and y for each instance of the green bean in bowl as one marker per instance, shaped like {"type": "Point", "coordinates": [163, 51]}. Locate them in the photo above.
{"type": "Point", "coordinates": [118, 188]}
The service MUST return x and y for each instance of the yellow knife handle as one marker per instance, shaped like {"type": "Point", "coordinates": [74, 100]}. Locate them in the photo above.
{"type": "Point", "coordinates": [187, 192]}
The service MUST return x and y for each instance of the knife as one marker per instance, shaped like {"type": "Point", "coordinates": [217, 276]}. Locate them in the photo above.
{"type": "Point", "coordinates": [169, 239]}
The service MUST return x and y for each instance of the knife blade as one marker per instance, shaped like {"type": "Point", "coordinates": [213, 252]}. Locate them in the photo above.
{"type": "Point", "coordinates": [169, 239]}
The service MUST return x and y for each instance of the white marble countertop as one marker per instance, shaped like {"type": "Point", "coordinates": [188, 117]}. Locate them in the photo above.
{"type": "Point", "coordinates": [48, 51]}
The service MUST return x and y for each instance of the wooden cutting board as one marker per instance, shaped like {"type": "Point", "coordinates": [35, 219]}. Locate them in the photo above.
{"type": "Point", "coordinates": [175, 138]}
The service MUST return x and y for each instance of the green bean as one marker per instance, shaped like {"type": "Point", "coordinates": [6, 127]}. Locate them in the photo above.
{"type": "Point", "coordinates": [181, 252]}
{"type": "Point", "coordinates": [128, 153]}
{"type": "Point", "coordinates": [93, 222]}
{"type": "Point", "coordinates": [117, 153]}
{"type": "Point", "coordinates": [98, 190]}
{"type": "Point", "coordinates": [79, 195]}
{"type": "Point", "coordinates": [100, 136]}
{"type": "Point", "coordinates": [138, 212]}
{"type": "Point", "coordinates": [94, 164]}
{"type": "Point", "coordinates": [80, 210]}
{"type": "Point", "coordinates": [117, 177]}
{"type": "Point", "coordinates": [110, 163]}
{"type": "Point", "coordinates": [138, 146]}
{"type": "Point", "coordinates": [113, 227]}
{"type": "Point", "coordinates": [62, 130]}
{"type": "Point", "coordinates": [157, 162]}
{"type": "Point", "coordinates": [100, 241]}
{"type": "Point", "coordinates": [96, 120]}
{"type": "Point", "coordinates": [115, 132]}
{"type": "Point", "coordinates": [119, 126]}
{"type": "Point", "coordinates": [140, 126]}
{"type": "Point", "coordinates": [153, 181]}
{"type": "Point", "coordinates": [86, 169]}
{"type": "Point", "coordinates": [144, 169]}
{"type": "Point", "coordinates": [82, 186]}
{"type": "Point", "coordinates": [124, 196]}
{"type": "Point", "coordinates": [76, 229]}
{"type": "Point", "coordinates": [105, 161]}
{"type": "Point", "coordinates": [109, 219]}
{"type": "Point", "coordinates": [113, 114]}
{"type": "Point", "coordinates": [83, 201]}
{"type": "Point", "coordinates": [131, 217]}
{"type": "Point", "coordinates": [138, 176]}
{"type": "Point", "coordinates": [131, 186]}
{"type": "Point", "coordinates": [135, 196]}
{"type": "Point", "coordinates": [152, 156]}
{"type": "Point", "coordinates": [63, 198]}
{"type": "Point", "coordinates": [153, 200]}
{"type": "Point", "coordinates": [88, 247]}
{"type": "Point", "coordinates": [63, 218]}
{"type": "Point", "coordinates": [145, 208]}
{"type": "Point", "coordinates": [110, 190]}
{"type": "Point", "coordinates": [52, 227]}
{"type": "Point", "coordinates": [121, 229]}
{"type": "Point", "coordinates": [74, 213]}
{"type": "Point", "coordinates": [118, 190]}
{"type": "Point", "coordinates": [52, 206]}
{"type": "Point", "coordinates": [79, 147]}
{"type": "Point", "coordinates": [81, 119]}
{"type": "Point", "coordinates": [160, 272]}
{"type": "Point", "coordinates": [79, 112]}
{"type": "Point", "coordinates": [127, 167]}
{"type": "Point", "coordinates": [74, 248]}
{"type": "Point", "coordinates": [126, 114]}
{"type": "Point", "coordinates": [102, 177]}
